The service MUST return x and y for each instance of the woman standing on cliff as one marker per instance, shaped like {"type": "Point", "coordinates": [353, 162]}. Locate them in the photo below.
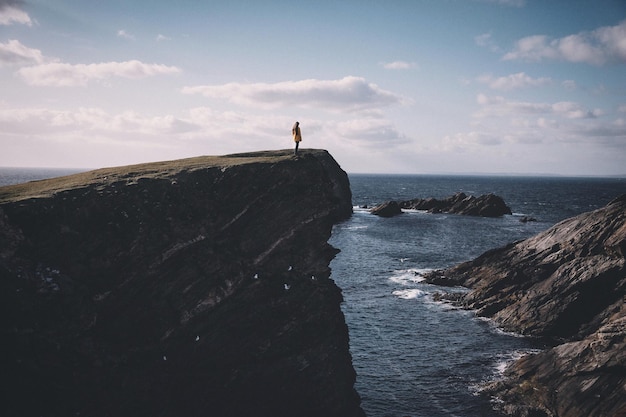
{"type": "Point", "coordinates": [297, 136]}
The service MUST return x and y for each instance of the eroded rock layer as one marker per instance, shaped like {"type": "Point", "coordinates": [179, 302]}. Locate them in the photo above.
{"type": "Point", "coordinates": [183, 288]}
{"type": "Point", "coordinates": [567, 286]}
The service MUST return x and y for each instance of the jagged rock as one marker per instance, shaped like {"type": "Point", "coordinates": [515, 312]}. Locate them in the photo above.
{"type": "Point", "coordinates": [130, 291]}
{"type": "Point", "coordinates": [566, 285]}
{"type": "Point", "coordinates": [487, 205]}
{"type": "Point", "coordinates": [387, 209]}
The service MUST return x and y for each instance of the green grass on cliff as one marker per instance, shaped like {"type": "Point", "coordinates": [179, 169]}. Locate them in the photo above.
{"type": "Point", "coordinates": [131, 173]}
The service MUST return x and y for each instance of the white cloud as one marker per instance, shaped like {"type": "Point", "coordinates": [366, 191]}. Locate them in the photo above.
{"type": "Point", "coordinates": [573, 110]}
{"type": "Point", "coordinates": [485, 40]}
{"type": "Point", "coordinates": [161, 38]}
{"type": "Point", "coordinates": [123, 34]}
{"type": "Point", "coordinates": [470, 140]}
{"type": "Point", "coordinates": [231, 130]}
{"type": "Point", "coordinates": [377, 132]}
{"type": "Point", "coordinates": [34, 121]}
{"type": "Point", "coordinates": [10, 13]}
{"type": "Point", "coordinates": [604, 45]}
{"type": "Point", "coordinates": [349, 93]}
{"type": "Point", "coordinates": [399, 65]}
{"type": "Point", "coordinates": [498, 106]}
{"type": "Point", "coordinates": [513, 81]}
{"type": "Point", "coordinates": [547, 123]}
{"type": "Point", "coordinates": [200, 130]}
{"type": "Point", "coordinates": [65, 75]}
{"type": "Point", "coordinates": [569, 85]}
{"type": "Point", "coordinates": [15, 53]}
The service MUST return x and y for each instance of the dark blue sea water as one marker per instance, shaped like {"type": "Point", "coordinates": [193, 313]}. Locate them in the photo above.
{"type": "Point", "coordinates": [414, 356]}
{"type": "Point", "coordinates": [10, 176]}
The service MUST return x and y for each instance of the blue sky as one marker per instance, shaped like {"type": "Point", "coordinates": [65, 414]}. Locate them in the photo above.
{"type": "Point", "coordinates": [414, 86]}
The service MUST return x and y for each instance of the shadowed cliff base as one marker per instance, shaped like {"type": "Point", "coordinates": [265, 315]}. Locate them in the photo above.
{"type": "Point", "coordinates": [181, 288]}
{"type": "Point", "coordinates": [566, 286]}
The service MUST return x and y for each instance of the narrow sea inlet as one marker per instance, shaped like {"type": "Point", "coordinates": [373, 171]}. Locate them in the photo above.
{"type": "Point", "coordinates": [415, 356]}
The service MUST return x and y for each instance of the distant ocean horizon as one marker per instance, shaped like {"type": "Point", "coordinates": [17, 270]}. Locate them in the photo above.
{"type": "Point", "coordinates": [16, 175]}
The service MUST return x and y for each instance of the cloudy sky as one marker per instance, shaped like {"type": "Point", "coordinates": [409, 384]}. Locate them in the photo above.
{"type": "Point", "coordinates": [393, 86]}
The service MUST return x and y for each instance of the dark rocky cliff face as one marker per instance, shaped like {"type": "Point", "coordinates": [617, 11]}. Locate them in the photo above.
{"type": "Point", "coordinates": [567, 286]}
{"type": "Point", "coordinates": [188, 288]}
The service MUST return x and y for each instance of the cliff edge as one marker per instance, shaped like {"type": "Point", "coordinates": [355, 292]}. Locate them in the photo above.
{"type": "Point", "coordinates": [182, 288]}
{"type": "Point", "coordinates": [566, 286]}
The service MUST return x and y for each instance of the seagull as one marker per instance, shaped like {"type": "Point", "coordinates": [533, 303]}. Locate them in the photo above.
{"type": "Point", "coordinates": [287, 287]}
{"type": "Point", "coordinates": [197, 338]}
{"type": "Point", "coordinates": [164, 357]}
{"type": "Point", "coordinates": [313, 277]}
{"type": "Point", "coordinates": [290, 268]}
{"type": "Point", "coordinates": [256, 276]}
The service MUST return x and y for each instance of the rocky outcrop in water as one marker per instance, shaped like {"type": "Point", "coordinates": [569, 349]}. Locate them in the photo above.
{"type": "Point", "coordinates": [182, 288]}
{"type": "Point", "coordinates": [487, 205]}
{"type": "Point", "coordinates": [566, 286]}
{"type": "Point", "coordinates": [387, 209]}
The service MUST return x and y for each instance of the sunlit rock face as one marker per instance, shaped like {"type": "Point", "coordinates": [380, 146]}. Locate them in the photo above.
{"type": "Point", "coordinates": [566, 286]}
{"type": "Point", "coordinates": [182, 288]}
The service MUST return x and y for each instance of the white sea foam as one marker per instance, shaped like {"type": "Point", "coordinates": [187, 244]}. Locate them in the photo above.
{"type": "Point", "coordinates": [415, 211]}
{"type": "Point", "coordinates": [444, 305]}
{"type": "Point", "coordinates": [358, 227]}
{"type": "Point", "coordinates": [497, 329]}
{"type": "Point", "coordinates": [408, 276]}
{"type": "Point", "coordinates": [505, 360]}
{"type": "Point", "coordinates": [409, 294]}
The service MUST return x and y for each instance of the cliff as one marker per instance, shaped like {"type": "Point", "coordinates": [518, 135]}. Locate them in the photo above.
{"type": "Point", "coordinates": [182, 288]}
{"type": "Point", "coordinates": [566, 286]}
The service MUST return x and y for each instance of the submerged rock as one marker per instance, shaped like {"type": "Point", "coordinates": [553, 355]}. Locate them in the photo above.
{"type": "Point", "coordinates": [159, 290]}
{"type": "Point", "coordinates": [526, 219]}
{"type": "Point", "coordinates": [567, 286]}
{"type": "Point", "coordinates": [487, 205]}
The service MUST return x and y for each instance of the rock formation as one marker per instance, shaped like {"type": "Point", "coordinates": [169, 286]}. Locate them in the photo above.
{"type": "Point", "coordinates": [566, 286]}
{"type": "Point", "coordinates": [487, 205]}
{"type": "Point", "coordinates": [182, 288]}
{"type": "Point", "coordinates": [387, 209]}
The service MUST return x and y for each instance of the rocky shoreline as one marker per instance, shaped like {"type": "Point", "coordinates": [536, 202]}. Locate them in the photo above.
{"type": "Point", "coordinates": [181, 288]}
{"type": "Point", "coordinates": [566, 286]}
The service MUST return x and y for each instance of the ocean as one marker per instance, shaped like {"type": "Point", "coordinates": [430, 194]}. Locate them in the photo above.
{"type": "Point", "coordinates": [10, 176]}
{"type": "Point", "coordinates": [415, 356]}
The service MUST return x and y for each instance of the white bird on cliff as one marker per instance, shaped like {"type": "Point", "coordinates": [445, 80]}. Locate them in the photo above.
{"type": "Point", "coordinates": [290, 268]}
{"type": "Point", "coordinates": [197, 338]}
{"type": "Point", "coordinates": [287, 286]}
{"type": "Point", "coordinates": [256, 276]}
